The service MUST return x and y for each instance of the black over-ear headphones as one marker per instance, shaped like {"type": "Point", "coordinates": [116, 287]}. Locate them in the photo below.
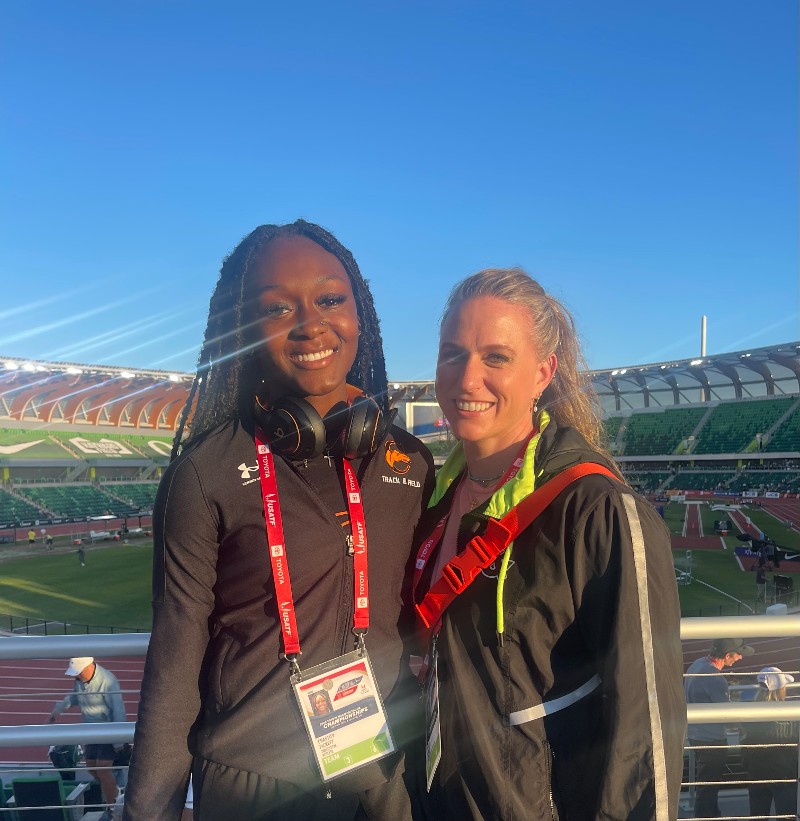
{"type": "Point", "coordinates": [295, 429]}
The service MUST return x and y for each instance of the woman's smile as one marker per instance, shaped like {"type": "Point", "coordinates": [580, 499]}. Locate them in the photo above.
{"type": "Point", "coordinates": [304, 320]}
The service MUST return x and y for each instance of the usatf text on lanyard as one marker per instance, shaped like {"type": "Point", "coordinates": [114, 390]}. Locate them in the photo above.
{"type": "Point", "coordinates": [277, 547]}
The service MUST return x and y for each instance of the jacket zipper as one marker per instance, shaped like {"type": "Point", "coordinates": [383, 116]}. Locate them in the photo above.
{"type": "Point", "coordinates": [348, 573]}
{"type": "Point", "coordinates": [549, 759]}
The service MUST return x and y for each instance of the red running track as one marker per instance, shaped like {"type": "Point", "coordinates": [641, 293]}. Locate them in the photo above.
{"type": "Point", "coordinates": [787, 510]}
{"type": "Point", "coordinates": [28, 689]}
{"type": "Point", "coordinates": [692, 527]}
{"type": "Point", "coordinates": [693, 538]}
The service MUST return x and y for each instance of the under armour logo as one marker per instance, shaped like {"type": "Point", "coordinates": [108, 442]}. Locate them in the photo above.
{"type": "Point", "coordinates": [246, 471]}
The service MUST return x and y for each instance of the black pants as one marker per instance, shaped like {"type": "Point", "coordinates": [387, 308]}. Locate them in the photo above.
{"type": "Point", "coordinates": [761, 796]}
{"type": "Point", "coordinates": [709, 766]}
{"type": "Point", "coordinates": [224, 794]}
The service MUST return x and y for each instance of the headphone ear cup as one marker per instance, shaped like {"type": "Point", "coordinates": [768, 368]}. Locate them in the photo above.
{"type": "Point", "coordinates": [293, 427]}
{"type": "Point", "coordinates": [364, 429]}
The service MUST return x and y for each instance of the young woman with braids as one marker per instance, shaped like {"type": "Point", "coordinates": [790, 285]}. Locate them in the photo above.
{"type": "Point", "coordinates": [554, 636]}
{"type": "Point", "coordinates": [265, 567]}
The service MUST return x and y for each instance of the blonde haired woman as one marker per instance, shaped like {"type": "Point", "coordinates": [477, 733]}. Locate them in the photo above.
{"type": "Point", "coordinates": [556, 653]}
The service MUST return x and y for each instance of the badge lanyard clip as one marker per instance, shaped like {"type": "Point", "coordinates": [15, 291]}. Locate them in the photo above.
{"type": "Point", "coordinates": [294, 667]}
{"type": "Point", "coordinates": [361, 644]}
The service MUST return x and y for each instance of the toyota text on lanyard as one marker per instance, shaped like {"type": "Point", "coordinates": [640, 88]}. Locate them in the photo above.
{"type": "Point", "coordinates": [277, 549]}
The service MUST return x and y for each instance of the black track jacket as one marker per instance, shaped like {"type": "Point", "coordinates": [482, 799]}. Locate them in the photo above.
{"type": "Point", "coordinates": [590, 591]}
{"type": "Point", "coordinates": [215, 688]}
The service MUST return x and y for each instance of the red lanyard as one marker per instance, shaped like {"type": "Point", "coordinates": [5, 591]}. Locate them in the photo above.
{"type": "Point", "coordinates": [426, 549]}
{"type": "Point", "coordinates": [277, 547]}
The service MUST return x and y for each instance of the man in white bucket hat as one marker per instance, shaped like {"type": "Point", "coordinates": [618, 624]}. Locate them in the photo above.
{"type": "Point", "coordinates": [97, 694]}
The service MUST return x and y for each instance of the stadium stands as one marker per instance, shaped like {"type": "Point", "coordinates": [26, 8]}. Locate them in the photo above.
{"type": "Point", "coordinates": [140, 496]}
{"type": "Point", "coordinates": [75, 500]}
{"type": "Point", "coordinates": [612, 427]}
{"type": "Point", "coordinates": [780, 481]}
{"type": "Point", "coordinates": [787, 436]}
{"type": "Point", "coordinates": [79, 443]}
{"type": "Point", "coordinates": [89, 445]}
{"type": "Point", "coordinates": [16, 509]}
{"type": "Point", "coordinates": [702, 480]}
{"type": "Point", "coordinates": [732, 426]}
{"type": "Point", "coordinates": [647, 482]}
{"type": "Point", "coordinates": [651, 434]}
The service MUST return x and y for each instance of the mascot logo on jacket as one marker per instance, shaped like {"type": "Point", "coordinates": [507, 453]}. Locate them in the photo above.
{"type": "Point", "coordinates": [398, 461]}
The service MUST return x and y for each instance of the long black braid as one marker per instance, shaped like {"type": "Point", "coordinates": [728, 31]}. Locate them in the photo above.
{"type": "Point", "coordinates": [227, 373]}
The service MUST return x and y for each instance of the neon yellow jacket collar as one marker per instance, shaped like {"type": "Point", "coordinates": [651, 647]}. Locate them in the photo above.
{"type": "Point", "coordinates": [504, 498]}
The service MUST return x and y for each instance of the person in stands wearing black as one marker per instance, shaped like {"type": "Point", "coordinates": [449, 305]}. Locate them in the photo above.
{"type": "Point", "coordinates": [554, 635]}
{"type": "Point", "coordinates": [292, 356]}
{"type": "Point", "coordinates": [705, 683]}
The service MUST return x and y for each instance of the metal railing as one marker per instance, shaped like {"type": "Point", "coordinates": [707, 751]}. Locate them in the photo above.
{"type": "Point", "coordinates": [135, 644]}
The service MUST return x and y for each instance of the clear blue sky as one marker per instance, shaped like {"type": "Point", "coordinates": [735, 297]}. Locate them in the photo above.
{"type": "Point", "coordinates": [639, 158]}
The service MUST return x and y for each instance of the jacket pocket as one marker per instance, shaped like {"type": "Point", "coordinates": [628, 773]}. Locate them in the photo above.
{"type": "Point", "coordinates": [221, 652]}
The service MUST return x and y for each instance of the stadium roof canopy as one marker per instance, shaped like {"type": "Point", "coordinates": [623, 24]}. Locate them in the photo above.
{"type": "Point", "coordinates": [750, 374]}
{"type": "Point", "coordinates": [54, 393]}
{"type": "Point", "coordinates": [760, 372]}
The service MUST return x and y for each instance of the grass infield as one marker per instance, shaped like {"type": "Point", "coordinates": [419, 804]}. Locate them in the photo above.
{"type": "Point", "coordinates": [716, 569]}
{"type": "Point", "coordinates": [112, 590]}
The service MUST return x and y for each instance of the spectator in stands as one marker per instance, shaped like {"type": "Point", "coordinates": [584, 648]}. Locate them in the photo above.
{"type": "Point", "coordinates": [277, 429]}
{"type": "Point", "coordinates": [771, 764]}
{"type": "Point", "coordinates": [705, 684]}
{"type": "Point", "coordinates": [97, 693]}
{"type": "Point", "coordinates": [560, 686]}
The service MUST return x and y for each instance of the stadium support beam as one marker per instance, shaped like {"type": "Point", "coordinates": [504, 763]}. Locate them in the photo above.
{"type": "Point", "coordinates": [788, 362]}
{"type": "Point", "coordinates": [75, 400]}
{"type": "Point", "coordinates": [733, 375]}
{"type": "Point", "coordinates": [702, 377]}
{"type": "Point", "coordinates": [38, 394]}
{"type": "Point", "coordinates": [641, 381]}
{"type": "Point", "coordinates": [762, 369]}
{"type": "Point", "coordinates": [676, 391]}
{"type": "Point", "coordinates": [612, 383]}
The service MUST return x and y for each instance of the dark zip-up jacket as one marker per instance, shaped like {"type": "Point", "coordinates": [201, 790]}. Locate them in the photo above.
{"type": "Point", "coordinates": [215, 688]}
{"type": "Point", "coordinates": [589, 592]}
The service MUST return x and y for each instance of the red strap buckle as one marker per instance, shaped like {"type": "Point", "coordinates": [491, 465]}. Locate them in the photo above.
{"type": "Point", "coordinates": [425, 613]}
{"type": "Point", "coordinates": [498, 534]}
{"type": "Point", "coordinates": [485, 551]}
{"type": "Point", "coordinates": [454, 578]}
